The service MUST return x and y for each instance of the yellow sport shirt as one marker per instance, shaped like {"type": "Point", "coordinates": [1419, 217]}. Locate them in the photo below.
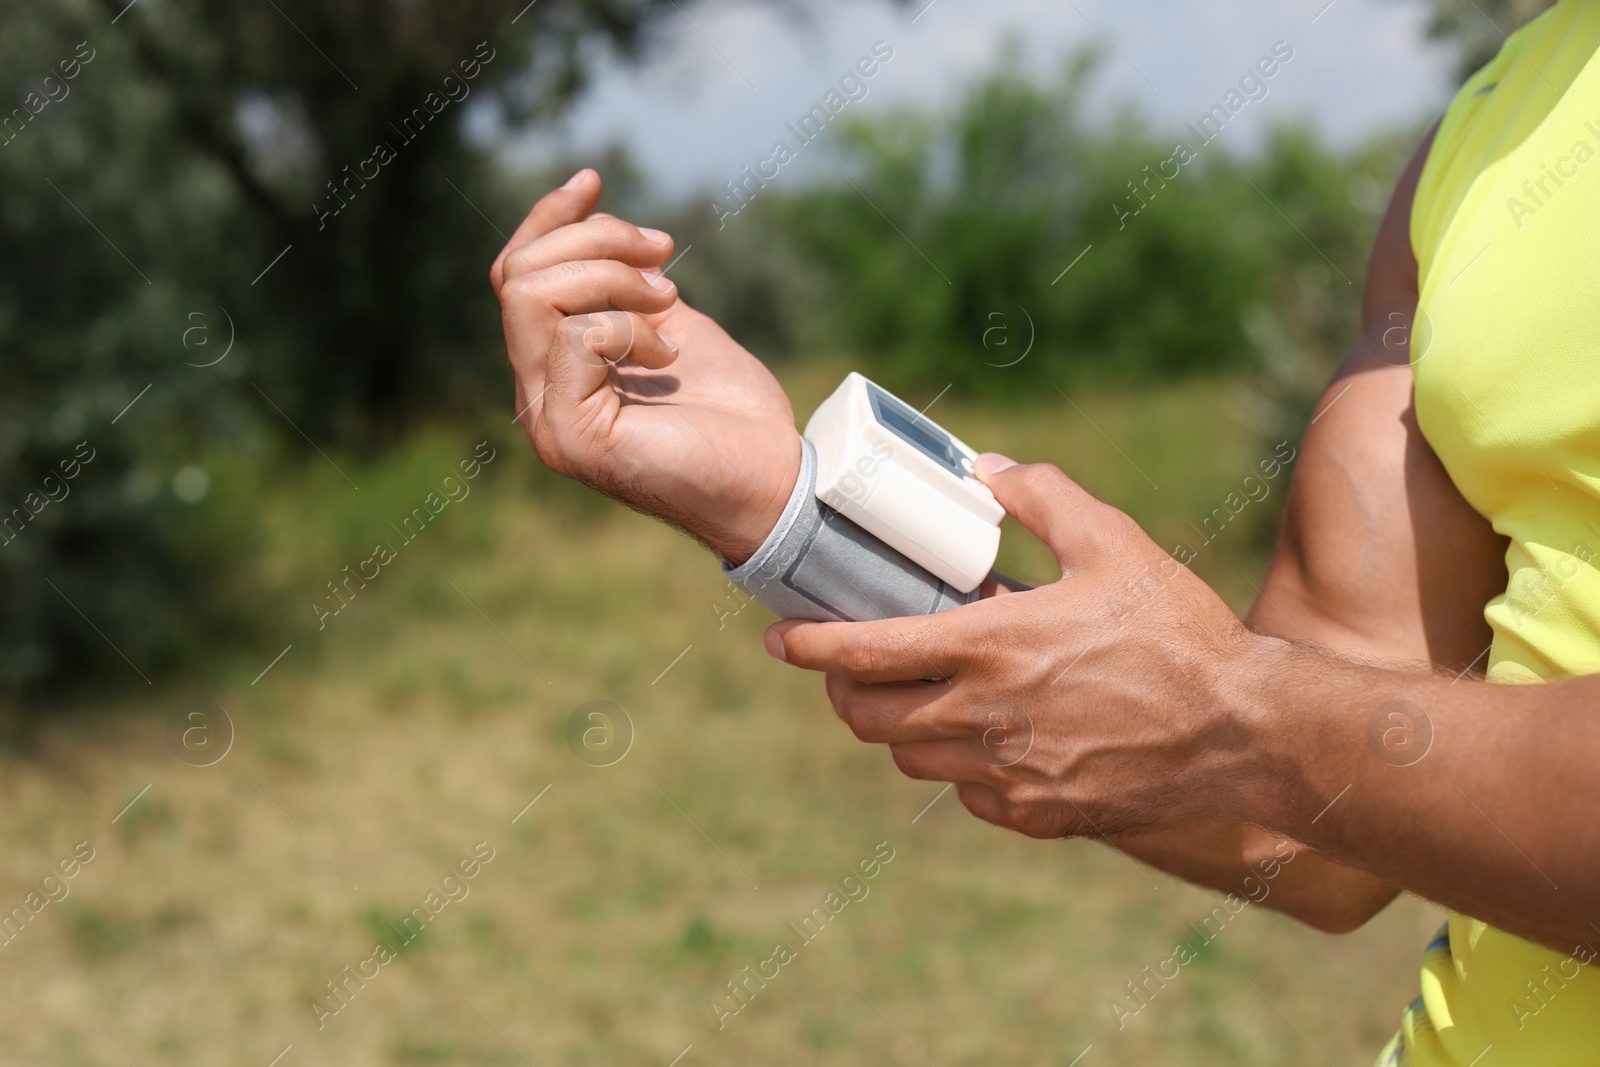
{"type": "Point", "coordinates": [1506, 230]}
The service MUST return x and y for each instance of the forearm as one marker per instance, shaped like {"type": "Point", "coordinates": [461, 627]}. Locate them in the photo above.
{"type": "Point", "coordinates": [1265, 868]}
{"type": "Point", "coordinates": [1498, 818]}
{"type": "Point", "coordinates": [1249, 862]}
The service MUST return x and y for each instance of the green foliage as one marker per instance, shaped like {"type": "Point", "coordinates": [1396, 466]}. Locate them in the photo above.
{"type": "Point", "coordinates": [197, 141]}
{"type": "Point", "coordinates": [951, 240]}
{"type": "Point", "coordinates": [158, 157]}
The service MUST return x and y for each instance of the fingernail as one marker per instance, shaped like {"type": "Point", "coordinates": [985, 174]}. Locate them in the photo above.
{"type": "Point", "coordinates": [774, 643]}
{"type": "Point", "coordinates": [672, 346]}
{"type": "Point", "coordinates": [993, 463]}
{"type": "Point", "coordinates": [655, 236]}
{"type": "Point", "coordinates": [572, 182]}
{"type": "Point", "coordinates": [659, 281]}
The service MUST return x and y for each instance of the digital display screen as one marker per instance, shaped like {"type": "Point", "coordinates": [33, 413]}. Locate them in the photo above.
{"type": "Point", "coordinates": [916, 431]}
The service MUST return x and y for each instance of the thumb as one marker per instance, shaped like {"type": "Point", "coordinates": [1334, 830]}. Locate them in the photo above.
{"type": "Point", "coordinates": [582, 352]}
{"type": "Point", "coordinates": [1051, 506]}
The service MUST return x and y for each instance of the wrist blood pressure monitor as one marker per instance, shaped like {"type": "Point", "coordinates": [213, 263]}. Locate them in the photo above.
{"type": "Point", "coordinates": [906, 480]}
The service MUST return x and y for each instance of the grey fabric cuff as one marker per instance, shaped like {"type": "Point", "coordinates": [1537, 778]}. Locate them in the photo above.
{"type": "Point", "coordinates": [816, 564]}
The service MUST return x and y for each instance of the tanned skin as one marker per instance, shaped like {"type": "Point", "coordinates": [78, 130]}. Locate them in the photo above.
{"type": "Point", "coordinates": [1410, 587]}
{"type": "Point", "coordinates": [1184, 736]}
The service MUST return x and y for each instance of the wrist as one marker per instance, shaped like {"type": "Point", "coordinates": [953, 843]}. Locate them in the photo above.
{"type": "Point", "coordinates": [754, 519]}
{"type": "Point", "coordinates": [1247, 688]}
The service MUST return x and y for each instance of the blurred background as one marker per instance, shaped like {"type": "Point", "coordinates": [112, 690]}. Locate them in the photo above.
{"type": "Point", "coordinates": [240, 344]}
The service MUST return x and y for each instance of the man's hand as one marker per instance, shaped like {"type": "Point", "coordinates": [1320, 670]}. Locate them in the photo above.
{"type": "Point", "coordinates": [624, 387]}
{"type": "Point", "coordinates": [1126, 699]}
{"type": "Point", "coordinates": [1090, 706]}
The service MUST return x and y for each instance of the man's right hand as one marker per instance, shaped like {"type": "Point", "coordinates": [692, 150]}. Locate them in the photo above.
{"type": "Point", "coordinates": [624, 387]}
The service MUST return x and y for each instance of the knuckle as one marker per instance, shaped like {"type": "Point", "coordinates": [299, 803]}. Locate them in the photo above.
{"type": "Point", "coordinates": [1044, 480]}
{"type": "Point", "coordinates": [519, 289]}
{"type": "Point", "coordinates": [1016, 816]}
{"type": "Point", "coordinates": [860, 656]}
{"type": "Point", "coordinates": [980, 802]}
{"type": "Point", "coordinates": [862, 722]}
{"type": "Point", "coordinates": [1106, 528]}
{"type": "Point", "coordinates": [901, 644]}
{"type": "Point", "coordinates": [1118, 524]}
{"type": "Point", "coordinates": [1029, 813]}
{"type": "Point", "coordinates": [907, 763]}
{"type": "Point", "coordinates": [1037, 827]}
{"type": "Point", "coordinates": [616, 230]}
{"type": "Point", "coordinates": [838, 688]}
{"type": "Point", "coordinates": [848, 708]}
{"type": "Point", "coordinates": [570, 447]}
{"type": "Point", "coordinates": [549, 445]}
{"type": "Point", "coordinates": [518, 262]}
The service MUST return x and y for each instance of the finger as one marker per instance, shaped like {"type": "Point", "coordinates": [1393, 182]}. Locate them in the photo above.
{"type": "Point", "coordinates": [893, 650]}
{"type": "Point", "coordinates": [532, 309]}
{"type": "Point", "coordinates": [588, 286]}
{"type": "Point", "coordinates": [896, 712]}
{"type": "Point", "coordinates": [938, 761]}
{"type": "Point", "coordinates": [532, 305]}
{"type": "Point", "coordinates": [560, 207]}
{"type": "Point", "coordinates": [582, 353]}
{"type": "Point", "coordinates": [983, 802]}
{"type": "Point", "coordinates": [618, 335]}
{"type": "Point", "coordinates": [1052, 507]}
{"type": "Point", "coordinates": [1038, 821]}
{"type": "Point", "coordinates": [598, 237]}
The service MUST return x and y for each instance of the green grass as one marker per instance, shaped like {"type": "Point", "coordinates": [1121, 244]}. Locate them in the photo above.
{"type": "Point", "coordinates": [380, 749]}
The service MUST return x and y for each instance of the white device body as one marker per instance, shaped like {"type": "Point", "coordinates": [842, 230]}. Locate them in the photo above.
{"type": "Point", "coordinates": [905, 480]}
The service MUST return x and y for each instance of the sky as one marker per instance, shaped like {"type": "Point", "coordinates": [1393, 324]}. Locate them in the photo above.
{"type": "Point", "coordinates": [721, 80]}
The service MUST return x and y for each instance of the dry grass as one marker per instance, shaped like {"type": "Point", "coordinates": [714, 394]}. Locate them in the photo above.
{"type": "Point", "coordinates": [380, 750]}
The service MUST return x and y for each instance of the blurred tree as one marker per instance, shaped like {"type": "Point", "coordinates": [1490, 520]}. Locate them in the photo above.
{"type": "Point", "coordinates": [340, 131]}
{"type": "Point", "coordinates": [311, 183]}
{"type": "Point", "coordinates": [946, 242]}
